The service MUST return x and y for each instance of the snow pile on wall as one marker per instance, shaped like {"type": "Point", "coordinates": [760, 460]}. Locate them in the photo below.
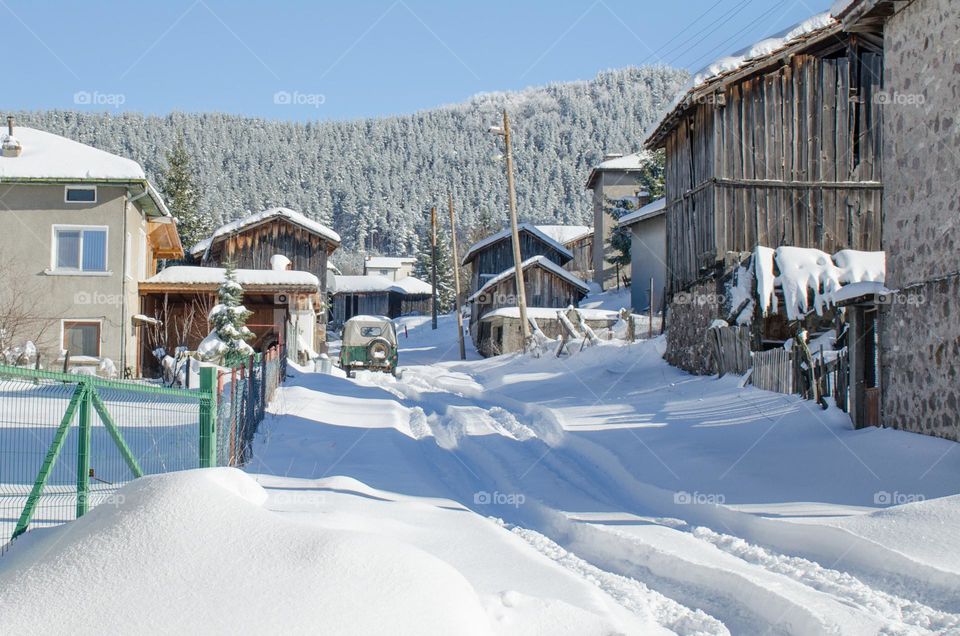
{"type": "Point", "coordinates": [804, 270]}
{"type": "Point", "coordinates": [195, 552]}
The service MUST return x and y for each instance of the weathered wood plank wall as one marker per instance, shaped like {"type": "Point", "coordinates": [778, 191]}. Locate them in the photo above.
{"type": "Point", "coordinates": [785, 156]}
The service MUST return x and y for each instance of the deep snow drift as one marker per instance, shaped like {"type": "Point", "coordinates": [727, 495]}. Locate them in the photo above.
{"type": "Point", "coordinates": [196, 552]}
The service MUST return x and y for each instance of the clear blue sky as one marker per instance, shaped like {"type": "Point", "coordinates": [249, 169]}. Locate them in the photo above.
{"type": "Point", "coordinates": [339, 60]}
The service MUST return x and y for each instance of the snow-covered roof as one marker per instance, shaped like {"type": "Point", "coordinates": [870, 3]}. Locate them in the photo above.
{"type": "Point", "coordinates": [388, 262]}
{"type": "Point", "coordinates": [193, 275]}
{"type": "Point", "coordinates": [412, 286]}
{"type": "Point", "coordinates": [542, 261]}
{"type": "Point", "coordinates": [376, 283]}
{"type": "Point", "coordinates": [628, 163]}
{"type": "Point", "coordinates": [48, 156]}
{"type": "Point", "coordinates": [262, 217]}
{"type": "Point", "coordinates": [505, 234]}
{"type": "Point", "coordinates": [547, 313]}
{"type": "Point", "coordinates": [725, 66]}
{"type": "Point", "coordinates": [565, 233]}
{"type": "Point", "coordinates": [649, 211]}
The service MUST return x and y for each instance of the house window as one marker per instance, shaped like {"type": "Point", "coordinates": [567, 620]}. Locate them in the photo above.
{"type": "Point", "coordinates": [80, 249]}
{"type": "Point", "coordinates": [80, 194]}
{"type": "Point", "coordinates": [81, 338]}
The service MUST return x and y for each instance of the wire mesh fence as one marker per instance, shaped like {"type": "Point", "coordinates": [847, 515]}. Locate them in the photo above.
{"type": "Point", "coordinates": [68, 442]}
{"type": "Point", "coordinates": [243, 393]}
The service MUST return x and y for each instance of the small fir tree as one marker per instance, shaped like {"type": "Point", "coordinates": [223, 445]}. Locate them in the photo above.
{"type": "Point", "coordinates": [423, 269]}
{"type": "Point", "coordinates": [182, 195]}
{"type": "Point", "coordinates": [229, 316]}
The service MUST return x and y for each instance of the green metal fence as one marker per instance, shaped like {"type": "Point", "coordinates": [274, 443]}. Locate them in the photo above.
{"type": "Point", "coordinates": [67, 442]}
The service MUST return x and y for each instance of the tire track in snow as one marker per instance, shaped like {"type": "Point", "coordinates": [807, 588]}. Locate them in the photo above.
{"type": "Point", "coordinates": [850, 601]}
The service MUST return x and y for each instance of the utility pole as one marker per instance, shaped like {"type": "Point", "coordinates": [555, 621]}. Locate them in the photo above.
{"type": "Point", "coordinates": [517, 258]}
{"type": "Point", "coordinates": [433, 262]}
{"type": "Point", "coordinates": [456, 279]}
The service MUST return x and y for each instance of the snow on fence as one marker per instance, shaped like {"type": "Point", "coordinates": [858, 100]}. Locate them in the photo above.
{"type": "Point", "coordinates": [243, 394]}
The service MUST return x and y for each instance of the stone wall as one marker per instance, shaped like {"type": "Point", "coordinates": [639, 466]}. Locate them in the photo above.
{"type": "Point", "coordinates": [920, 329]}
{"type": "Point", "coordinates": [688, 318]}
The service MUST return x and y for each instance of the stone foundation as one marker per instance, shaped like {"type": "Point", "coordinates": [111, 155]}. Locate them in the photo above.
{"type": "Point", "coordinates": [688, 318]}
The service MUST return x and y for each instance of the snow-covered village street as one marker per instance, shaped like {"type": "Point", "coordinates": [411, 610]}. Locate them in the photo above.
{"type": "Point", "coordinates": [512, 318]}
{"type": "Point", "coordinates": [602, 493]}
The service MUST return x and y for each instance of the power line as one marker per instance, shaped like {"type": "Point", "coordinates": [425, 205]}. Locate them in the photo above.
{"type": "Point", "coordinates": [683, 30]}
{"type": "Point", "coordinates": [711, 53]}
{"type": "Point", "coordinates": [724, 19]}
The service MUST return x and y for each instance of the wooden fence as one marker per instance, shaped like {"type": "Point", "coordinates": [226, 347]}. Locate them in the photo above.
{"type": "Point", "coordinates": [731, 349]}
{"type": "Point", "coordinates": [773, 371]}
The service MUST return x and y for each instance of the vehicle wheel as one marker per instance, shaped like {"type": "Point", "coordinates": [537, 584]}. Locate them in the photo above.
{"type": "Point", "coordinates": [351, 374]}
{"type": "Point", "coordinates": [378, 349]}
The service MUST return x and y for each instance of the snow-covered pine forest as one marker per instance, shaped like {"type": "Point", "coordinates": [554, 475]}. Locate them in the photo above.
{"type": "Point", "coordinates": [355, 175]}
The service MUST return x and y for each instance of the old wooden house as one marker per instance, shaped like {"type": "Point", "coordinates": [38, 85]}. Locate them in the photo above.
{"type": "Point", "coordinates": [547, 285]}
{"type": "Point", "coordinates": [377, 295]}
{"type": "Point", "coordinates": [251, 243]}
{"type": "Point", "coordinates": [491, 256]}
{"type": "Point", "coordinates": [778, 145]}
{"type": "Point", "coordinates": [175, 305]}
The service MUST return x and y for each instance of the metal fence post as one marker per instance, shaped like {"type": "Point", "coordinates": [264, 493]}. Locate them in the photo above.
{"type": "Point", "coordinates": [83, 449]}
{"type": "Point", "coordinates": [208, 417]}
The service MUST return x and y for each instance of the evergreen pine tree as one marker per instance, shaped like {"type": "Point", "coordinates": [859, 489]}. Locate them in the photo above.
{"type": "Point", "coordinates": [423, 269]}
{"type": "Point", "coordinates": [182, 195]}
{"type": "Point", "coordinates": [229, 316]}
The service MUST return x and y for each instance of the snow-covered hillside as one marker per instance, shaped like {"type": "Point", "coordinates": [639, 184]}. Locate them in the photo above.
{"type": "Point", "coordinates": [605, 493]}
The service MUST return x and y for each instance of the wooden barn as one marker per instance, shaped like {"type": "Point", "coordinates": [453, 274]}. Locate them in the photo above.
{"type": "Point", "coordinates": [251, 243]}
{"type": "Point", "coordinates": [175, 304]}
{"type": "Point", "coordinates": [378, 296]}
{"type": "Point", "coordinates": [777, 146]}
{"type": "Point", "coordinates": [547, 285]}
{"type": "Point", "coordinates": [494, 254]}
{"type": "Point", "coordinates": [578, 239]}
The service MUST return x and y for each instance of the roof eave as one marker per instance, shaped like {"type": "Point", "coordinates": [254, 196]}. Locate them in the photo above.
{"type": "Point", "coordinates": [657, 139]}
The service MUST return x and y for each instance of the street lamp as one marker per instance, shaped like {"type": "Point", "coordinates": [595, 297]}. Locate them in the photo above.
{"type": "Point", "coordinates": [504, 132]}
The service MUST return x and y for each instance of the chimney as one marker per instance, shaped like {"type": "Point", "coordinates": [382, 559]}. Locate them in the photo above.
{"type": "Point", "coordinates": [11, 147]}
{"type": "Point", "coordinates": [612, 155]}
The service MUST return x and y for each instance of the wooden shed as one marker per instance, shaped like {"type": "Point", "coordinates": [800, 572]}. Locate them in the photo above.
{"type": "Point", "coordinates": [546, 285]}
{"type": "Point", "coordinates": [378, 296]}
{"type": "Point", "coordinates": [175, 305]}
{"type": "Point", "coordinates": [251, 243]}
{"type": "Point", "coordinates": [778, 145]}
{"type": "Point", "coordinates": [494, 254]}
